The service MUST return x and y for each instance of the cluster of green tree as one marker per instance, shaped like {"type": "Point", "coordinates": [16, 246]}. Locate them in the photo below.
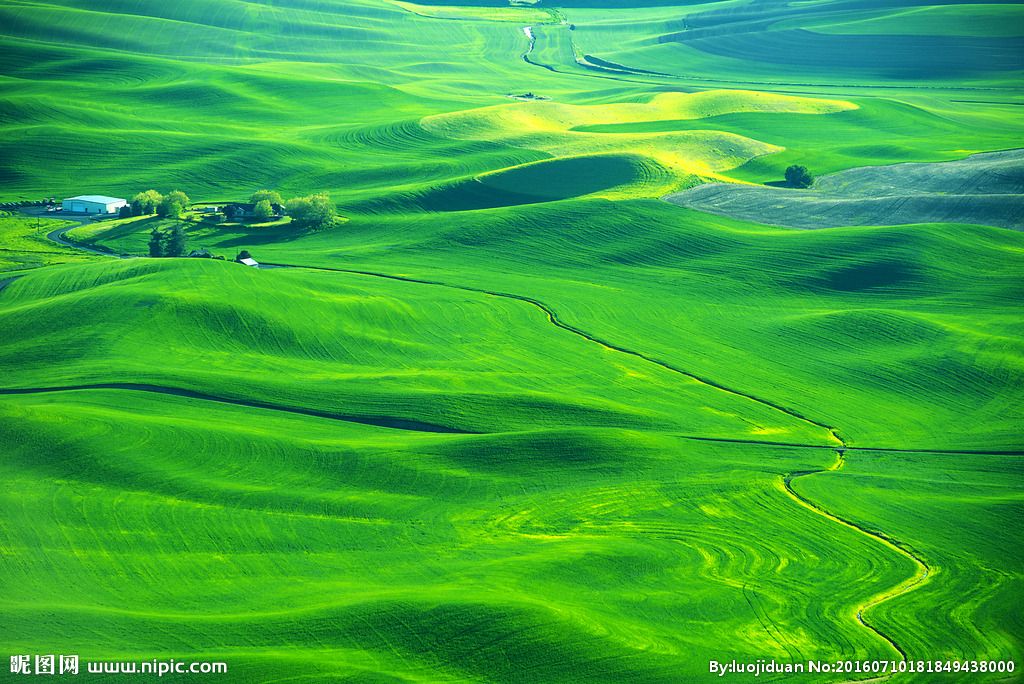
{"type": "Point", "coordinates": [799, 177]}
{"type": "Point", "coordinates": [313, 212]}
{"type": "Point", "coordinates": [171, 205]}
{"type": "Point", "coordinates": [169, 243]}
{"type": "Point", "coordinates": [264, 201]}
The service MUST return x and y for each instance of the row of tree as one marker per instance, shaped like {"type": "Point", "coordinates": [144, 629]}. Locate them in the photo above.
{"type": "Point", "coordinates": [171, 205]}
{"type": "Point", "coordinates": [312, 212]}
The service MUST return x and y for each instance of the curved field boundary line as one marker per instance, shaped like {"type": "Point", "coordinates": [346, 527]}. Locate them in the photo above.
{"type": "Point", "coordinates": [922, 571]}
{"type": "Point", "coordinates": [699, 81]}
{"type": "Point", "coordinates": [764, 442]}
{"type": "Point", "coordinates": [376, 421]}
{"type": "Point", "coordinates": [559, 323]}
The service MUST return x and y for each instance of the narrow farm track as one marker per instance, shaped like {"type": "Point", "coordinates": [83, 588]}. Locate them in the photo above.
{"type": "Point", "coordinates": [921, 575]}
{"type": "Point", "coordinates": [59, 236]}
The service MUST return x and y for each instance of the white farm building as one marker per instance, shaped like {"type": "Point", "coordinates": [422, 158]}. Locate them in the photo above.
{"type": "Point", "coordinates": [92, 204]}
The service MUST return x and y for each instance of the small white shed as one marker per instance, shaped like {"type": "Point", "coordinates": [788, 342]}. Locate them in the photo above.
{"type": "Point", "coordinates": [249, 262]}
{"type": "Point", "coordinates": [93, 204]}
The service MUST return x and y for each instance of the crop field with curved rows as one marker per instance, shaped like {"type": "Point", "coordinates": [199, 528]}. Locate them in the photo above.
{"type": "Point", "coordinates": [513, 416]}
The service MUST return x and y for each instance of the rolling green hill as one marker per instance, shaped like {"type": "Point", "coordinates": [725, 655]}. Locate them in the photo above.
{"type": "Point", "coordinates": [516, 418]}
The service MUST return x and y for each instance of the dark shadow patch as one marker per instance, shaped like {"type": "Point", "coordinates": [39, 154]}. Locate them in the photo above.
{"type": "Point", "coordinates": [872, 276]}
{"type": "Point", "coordinates": [605, 65]}
{"type": "Point", "coordinates": [7, 281]}
{"type": "Point", "coordinates": [544, 181]}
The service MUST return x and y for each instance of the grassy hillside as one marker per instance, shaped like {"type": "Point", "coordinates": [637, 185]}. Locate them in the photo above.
{"type": "Point", "coordinates": [402, 538]}
{"type": "Point", "coordinates": [25, 245]}
{"type": "Point", "coordinates": [902, 493]}
{"type": "Point", "coordinates": [225, 98]}
{"type": "Point", "coordinates": [845, 43]}
{"type": "Point", "coordinates": [410, 556]}
{"type": "Point", "coordinates": [921, 347]}
{"type": "Point", "coordinates": [354, 341]}
{"type": "Point", "coordinates": [515, 418]}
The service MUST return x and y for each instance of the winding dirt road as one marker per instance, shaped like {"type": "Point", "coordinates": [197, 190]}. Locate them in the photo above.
{"type": "Point", "coordinates": [59, 236]}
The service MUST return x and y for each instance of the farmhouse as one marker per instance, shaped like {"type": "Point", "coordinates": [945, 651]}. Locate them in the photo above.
{"type": "Point", "coordinates": [93, 204]}
{"type": "Point", "coordinates": [245, 210]}
{"type": "Point", "coordinates": [248, 261]}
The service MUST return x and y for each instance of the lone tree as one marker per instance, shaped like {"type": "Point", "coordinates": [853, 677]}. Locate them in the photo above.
{"type": "Point", "coordinates": [799, 177]}
{"type": "Point", "coordinates": [176, 242]}
{"type": "Point", "coordinates": [263, 210]}
{"type": "Point", "coordinates": [314, 212]}
{"type": "Point", "coordinates": [156, 243]}
{"type": "Point", "coordinates": [271, 196]}
{"type": "Point", "coordinates": [173, 204]}
{"type": "Point", "coordinates": [146, 202]}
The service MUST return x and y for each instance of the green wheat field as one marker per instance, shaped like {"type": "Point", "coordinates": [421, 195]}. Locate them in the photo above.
{"type": "Point", "coordinates": [575, 388]}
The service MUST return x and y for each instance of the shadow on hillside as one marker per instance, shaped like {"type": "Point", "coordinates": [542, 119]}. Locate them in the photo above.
{"type": "Point", "coordinates": [128, 228]}
{"type": "Point", "coordinates": [243, 235]}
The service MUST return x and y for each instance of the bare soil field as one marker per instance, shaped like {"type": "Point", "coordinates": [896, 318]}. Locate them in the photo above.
{"type": "Point", "coordinates": [983, 189]}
